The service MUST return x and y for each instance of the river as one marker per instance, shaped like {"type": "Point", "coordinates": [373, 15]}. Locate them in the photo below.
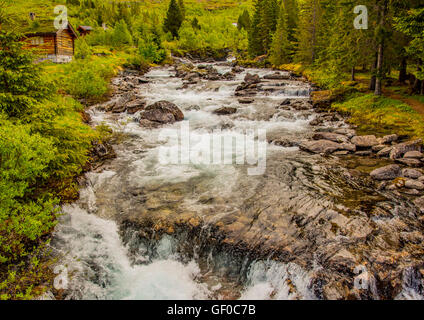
{"type": "Point", "coordinates": [143, 229]}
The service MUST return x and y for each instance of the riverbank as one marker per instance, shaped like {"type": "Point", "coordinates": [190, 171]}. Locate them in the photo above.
{"type": "Point", "coordinates": [369, 114]}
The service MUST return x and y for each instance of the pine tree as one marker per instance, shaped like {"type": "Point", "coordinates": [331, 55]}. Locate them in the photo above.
{"type": "Point", "coordinates": [21, 83]}
{"type": "Point", "coordinates": [195, 24]}
{"type": "Point", "coordinates": [173, 20]}
{"type": "Point", "coordinates": [244, 21]}
{"type": "Point", "coordinates": [255, 42]}
{"type": "Point", "coordinates": [263, 26]}
{"type": "Point", "coordinates": [411, 24]}
{"type": "Point", "coordinates": [281, 48]}
{"type": "Point", "coordinates": [182, 9]}
{"type": "Point", "coordinates": [292, 10]}
{"type": "Point", "coordinates": [121, 34]}
{"type": "Point", "coordinates": [309, 23]}
{"type": "Point", "coordinates": [268, 23]}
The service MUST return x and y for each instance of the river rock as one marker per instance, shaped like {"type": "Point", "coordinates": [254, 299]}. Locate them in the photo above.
{"type": "Point", "coordinates": [246, 100]}
{"type": "Point", "coordinates": [330, 136]}
{"type": "Point", "coordinates": [237, 69]}
{"type": "Point", "coordinates": [101, 152]}
{"type": "Point", "coordinates": [285, 102]}
{"type": "Point", "coordinates": [400, 149]}
{"type": "Point", "coordinates": [135, 106]}
{"type": "Point", "coordinates": [389, 172]}
{"type": "Point", "coordinates": [365, 141]}
{"type": "Point", "coordinates": [252, 79]}
{"type": "Point", "coordinates": [348, 146]}
{"type": "Point", "coordinates": [384, 152]}
{"type": "Point", "coordinates": [149, 124]}
{"type": "Point", "coordinates": [162, 112]}
{"type": "Point", "coordinates": [284, 142]}
{"type": "Point", "coordinates": [411, 173]}
{"type": "Point", "coordinates": [388, 139]}
{"type": "Point", "coordinates": [413, 155]}
{"type": "Point", "coordinates": [276, 76]}
{"type": "Point", "coordinates": [378, 148]}
{"type": "Point", "coordinates": [410, 162]}
{"type": "Point", "coordinates": [350, 133]}
{"type": "Point", "coordinates": [419, 202]}
{"type": "Point", "coordinates": [320, 146]}
{"type": "Point", "coordinates": [225, 111]}
{"type": "Point", "coordinates": [414, 184]}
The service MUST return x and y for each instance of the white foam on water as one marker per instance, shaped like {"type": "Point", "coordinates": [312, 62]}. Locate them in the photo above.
{"type": "Point", "coordinates": [270, 280]}
{"type": "Point", "coordinates": [101, 269]}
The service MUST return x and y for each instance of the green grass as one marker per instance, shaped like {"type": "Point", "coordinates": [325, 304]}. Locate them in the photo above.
{"type": "Point", "coordinates": [381, 115]}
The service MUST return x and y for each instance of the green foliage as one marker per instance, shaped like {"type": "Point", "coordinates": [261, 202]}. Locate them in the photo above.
{"type": "Point", "coordinates": [412, 25]}
{"type": "Point", "coordinates": [174, 19]}
{"type": "Point", "coordinates": [21, 82]}
{"type": "Point", "coordinates": [87, 79]}
{"type": "Point", "coordinates": [121, 35]}
{"type": "Point", "coordinates": [151, 51]}
{"type": "Point", "coordinates": [43, 146]}
{"type": "Point", "coordinates": [82, 49]}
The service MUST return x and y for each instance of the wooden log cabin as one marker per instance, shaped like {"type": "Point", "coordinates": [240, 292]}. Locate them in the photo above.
{"type": "Point", "coordinates": [51, 44]}
{"type": "Point", "coordinates": [84, 30]}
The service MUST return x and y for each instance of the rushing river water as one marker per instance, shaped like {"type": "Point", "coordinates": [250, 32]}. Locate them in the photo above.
{"type": "Point", "coordinates": [127, 236]}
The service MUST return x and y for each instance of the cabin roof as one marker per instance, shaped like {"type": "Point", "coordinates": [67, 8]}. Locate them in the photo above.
{"type": "Point", "coordinates": [44, 27]}
{"type": "Point", "coordinates": [85, 28]}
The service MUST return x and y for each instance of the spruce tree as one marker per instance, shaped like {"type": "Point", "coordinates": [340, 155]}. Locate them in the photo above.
{"type": "Point", "coordinates": [244, 21]}
{"type": "Point", "coordinates": [255, 42]}
{"type": "Point", "coordinates": [182, 9]}
{"type": "Point", "coordinates": [281, 48]}
{"type": "Point", "coordinates": [263, 26]}
{"type": "Point", "coordinates": [309, 23]}
{"type": "Point", "coordinates": [174, 19]}
{"type": "Point", "coordinates": [268, 23]}
{"type": "Point", "coordinates": [195, 24]}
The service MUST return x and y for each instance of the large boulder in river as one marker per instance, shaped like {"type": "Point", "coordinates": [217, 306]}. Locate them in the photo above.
{"type": "Point", "coordinates": [389, 172]}
{"type": "Point", "coordinates": [162, 112]}
{"type": "Point", "coordinates": [365, 141]}
{"type": "Point", "coordinates": [400, 149]}
{"type": "Point", "coordinates": [320, 146]}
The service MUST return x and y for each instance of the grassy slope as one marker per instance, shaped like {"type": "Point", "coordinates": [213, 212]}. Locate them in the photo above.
{"type": "Point", "coordinates": [394, 112]}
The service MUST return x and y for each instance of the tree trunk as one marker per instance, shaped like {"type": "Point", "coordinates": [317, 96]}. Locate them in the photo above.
{"type": "Point", "coordinates": [402, 71]}
{"type": "Point", "coordinates": [373, 76]}
{"type": "Point", "coordinates": [418, 84]}
{"type": "Point", "coordinates": [352, 77]}
{"type": "Point", "coordinates": [379, 76]}
{"type": "Point", "coordinates": [380, 52]}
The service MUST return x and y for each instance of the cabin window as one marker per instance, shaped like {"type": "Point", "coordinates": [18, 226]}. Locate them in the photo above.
{"type": "Point", "coordinates": [37, 40]}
